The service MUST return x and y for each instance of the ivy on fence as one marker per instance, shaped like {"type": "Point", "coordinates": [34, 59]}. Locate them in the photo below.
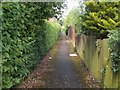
{"type": "Point", "coordinates": [114, 43]}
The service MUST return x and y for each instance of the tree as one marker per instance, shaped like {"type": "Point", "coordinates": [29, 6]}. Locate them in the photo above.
{"type": "Point", "coordinates": [101, 17]}
{"type": "Point", "coordinates": [74, 19]}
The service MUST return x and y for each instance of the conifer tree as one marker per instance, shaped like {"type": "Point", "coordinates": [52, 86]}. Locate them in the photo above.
{"type": "Point", "coordinates": [101, 17]}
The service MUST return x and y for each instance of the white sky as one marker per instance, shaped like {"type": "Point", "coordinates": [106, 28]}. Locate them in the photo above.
{"type": "Point", "coordinates": [70, 5]}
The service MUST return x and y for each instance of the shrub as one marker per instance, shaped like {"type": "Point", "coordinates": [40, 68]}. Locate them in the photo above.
{"type": "Point", "coordinates": [114, 43]}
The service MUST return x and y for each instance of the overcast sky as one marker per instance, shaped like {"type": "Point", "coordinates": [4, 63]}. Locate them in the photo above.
{"type": "Point", "coordinates": [70, 5]}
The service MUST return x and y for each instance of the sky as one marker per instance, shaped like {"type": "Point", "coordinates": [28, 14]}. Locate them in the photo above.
{"type": "Point", "coordinates": [70, 5]}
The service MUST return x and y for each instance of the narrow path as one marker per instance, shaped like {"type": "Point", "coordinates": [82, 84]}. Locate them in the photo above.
{"type": "Point", "coordinates": [64, 75]}
{"type": "Point", "coordinates": [61, 71]}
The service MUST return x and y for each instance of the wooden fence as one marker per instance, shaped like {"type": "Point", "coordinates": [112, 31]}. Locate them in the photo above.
{"type": "Point", "coordinates": [95, 54]}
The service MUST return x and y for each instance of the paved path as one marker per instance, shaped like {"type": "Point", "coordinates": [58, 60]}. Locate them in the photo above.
{"type": "Point", "coordinates": [64, 75]}
{"type": "Point", "coordinates": [60, 72]}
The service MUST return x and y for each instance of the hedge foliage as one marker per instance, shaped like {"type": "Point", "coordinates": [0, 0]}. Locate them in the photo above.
{"type": "Point", "coordinates": [26, 37]}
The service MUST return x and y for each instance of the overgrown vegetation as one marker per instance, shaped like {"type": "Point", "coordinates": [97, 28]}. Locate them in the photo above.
{"type": "Point", "coordinates": [27, 36]}
{"type": "Point", "coordinates": [114, 43]}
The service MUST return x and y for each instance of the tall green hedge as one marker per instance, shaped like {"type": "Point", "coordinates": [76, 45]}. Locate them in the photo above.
{"type": "Point", "coordinates": [26, 37]}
